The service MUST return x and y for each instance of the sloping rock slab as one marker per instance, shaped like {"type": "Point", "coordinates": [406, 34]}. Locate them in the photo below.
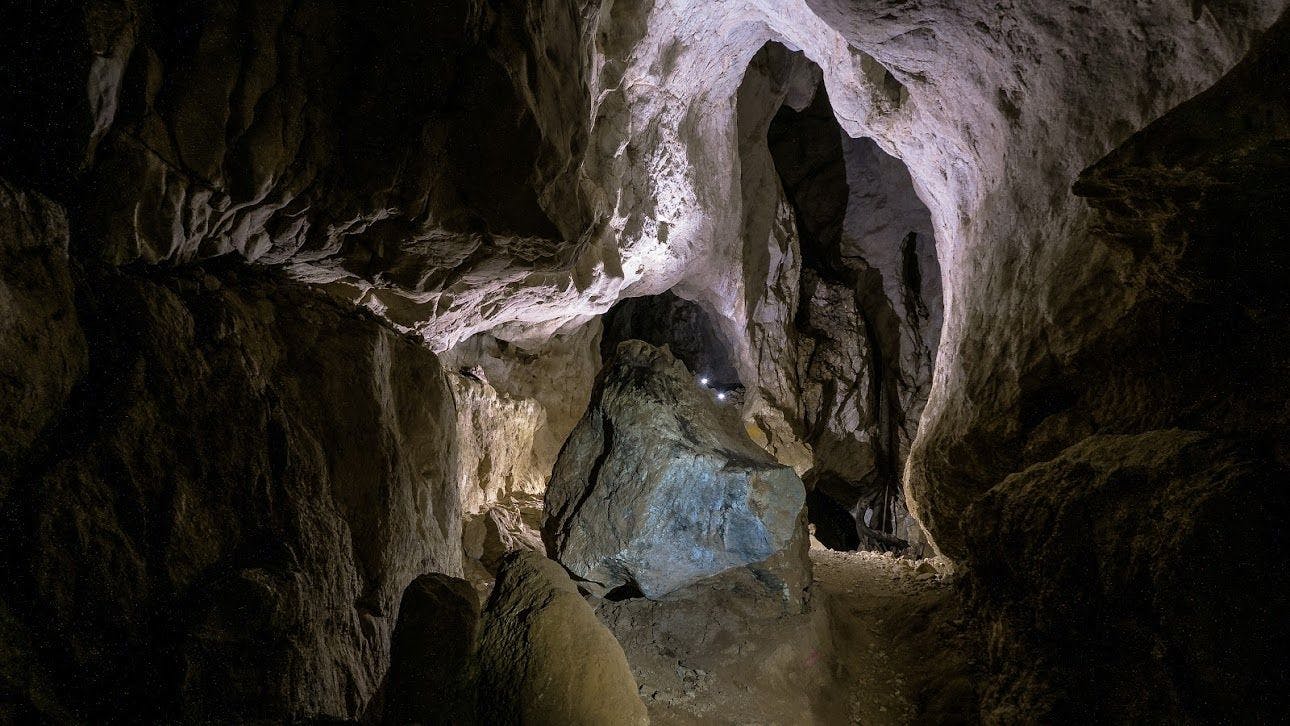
{"type": "Point", "coordinates": [1134, 576]}
{"type": "Point", "coordinates": [659, 486]}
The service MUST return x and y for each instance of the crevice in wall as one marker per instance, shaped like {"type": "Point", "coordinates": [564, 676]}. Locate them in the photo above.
{"type": "Point", "coordinates": [868, 318]}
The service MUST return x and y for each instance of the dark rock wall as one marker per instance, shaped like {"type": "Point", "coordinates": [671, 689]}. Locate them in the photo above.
{"type": "Point", "coordinates": [1135, 574]}
{"type": "Point", "coordinates": [42, 347]}
{"type": "Point", "coordinates": [222, 484]}
{"type": "Point", "coordinates": [1154, 594]}
{"type": "Point", "coordinates": [432, 669]}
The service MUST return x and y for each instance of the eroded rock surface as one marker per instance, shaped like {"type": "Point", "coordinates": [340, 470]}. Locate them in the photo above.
{"type": "Point", "coordinates": [553, 375]}
{"type": "Point", "coordinates": [42, 348]}
{"type": "Point", "coordinates": [1123, 563]}
{"type": "Point", "coordinates": [659, 486]}
{"type": "Point", "coordinates": [545, 658]}
{"type": "Point", "coordinates": [381, 150]}
{"type": "Point", "coordinates": [847, 313]}
{"type": "Point", "coordinates": [496, 442]}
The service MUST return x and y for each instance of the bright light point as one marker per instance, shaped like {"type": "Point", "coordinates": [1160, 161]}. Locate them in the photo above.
{"type": "Point", "coordinates": [721, 396]}
{"type": "Point", "coordinates": [703, 381]}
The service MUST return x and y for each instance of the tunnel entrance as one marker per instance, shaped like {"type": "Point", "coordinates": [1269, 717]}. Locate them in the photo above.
{"type": "Point", "coordinates": [683, 326]}
{"type": "Point", "coordinates": [867, 323]}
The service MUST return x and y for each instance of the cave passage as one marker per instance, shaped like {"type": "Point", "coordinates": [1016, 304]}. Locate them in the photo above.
{"type": "Point", "coordinates": [683, 326]}
{"type": "Point", "coordinates": [571, 362]}
{"type": "Point", "coordinates": [867, 323]}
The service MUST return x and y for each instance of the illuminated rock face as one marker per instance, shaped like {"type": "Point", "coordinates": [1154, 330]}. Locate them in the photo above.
{"type": "Point", "coordinates": [495, 449]}
{"type": "Point", "coordinates": [658, 486]}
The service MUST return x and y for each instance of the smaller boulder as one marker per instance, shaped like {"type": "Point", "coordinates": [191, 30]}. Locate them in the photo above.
{"type": "Point", "coordinates": [430, 653]}
{"type": "Point", "coordinates": [543, 656]}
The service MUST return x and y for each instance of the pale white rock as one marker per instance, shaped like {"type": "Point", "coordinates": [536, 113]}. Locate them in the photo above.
{"type": "Point", "coordinates": [495, 446]}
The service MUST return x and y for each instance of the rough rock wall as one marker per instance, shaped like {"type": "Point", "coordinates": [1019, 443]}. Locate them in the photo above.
{"type": "Point", "coordinates": [993, 111]}
{"type": "Point", "coordinates": [346, 141]}
{"type": "Point", "coordinates": [42, 348]}
{"type": "Point", "coordinates": [495, 443]}
{"type": "Point", "coordinates": [1144, 600]}
{"type": "Point", "coordinates": [554, 376]}
{"type": "Point", "coordinates": [221, 484]}
{"type": "Point", "coordinates": [1127, 562]}
{"type": "Point", "coordinates": [405, 152]}
{"type": "Point", "coordinates": [769, 258]}
{"type": "Point", "coordinates": [888, 243]}
{"type": "Point", "coordinates": [432, 670]}
{"type": "Point", "coordinates": [836, 368]}
{"type": "Point", "coordinates": [844, 364]}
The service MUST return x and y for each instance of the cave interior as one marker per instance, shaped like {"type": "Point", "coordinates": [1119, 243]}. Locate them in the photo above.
{"type": "Point", "coordinates": [581, 362]}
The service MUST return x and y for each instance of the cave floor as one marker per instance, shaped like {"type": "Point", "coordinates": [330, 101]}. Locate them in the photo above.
{"type": "Point", "coordinates": [882, 643]}
{"type": "Point", "coordinates": [901, 656]}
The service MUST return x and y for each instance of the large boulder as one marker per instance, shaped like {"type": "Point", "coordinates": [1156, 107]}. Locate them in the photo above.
{"type": "Point", "coordinates": [659, 485]}
{"type": "Point", "coordinates": [544, 658]}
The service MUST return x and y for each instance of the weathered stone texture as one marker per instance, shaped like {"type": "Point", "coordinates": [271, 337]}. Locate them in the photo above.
{"type": "Point", "coordinates": [1148, 597]}
{"type": "Point", "coordinates": [432, 654]}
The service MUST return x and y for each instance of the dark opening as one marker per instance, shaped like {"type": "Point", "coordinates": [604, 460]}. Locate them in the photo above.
{"type": "Point", "coordinates": [683, 326]}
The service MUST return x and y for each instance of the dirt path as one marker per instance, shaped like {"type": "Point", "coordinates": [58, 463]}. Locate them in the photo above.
{"type": "Point", "coordinates": [897, 637]}
{"type": "Point", "coordinates": [880, 644]}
